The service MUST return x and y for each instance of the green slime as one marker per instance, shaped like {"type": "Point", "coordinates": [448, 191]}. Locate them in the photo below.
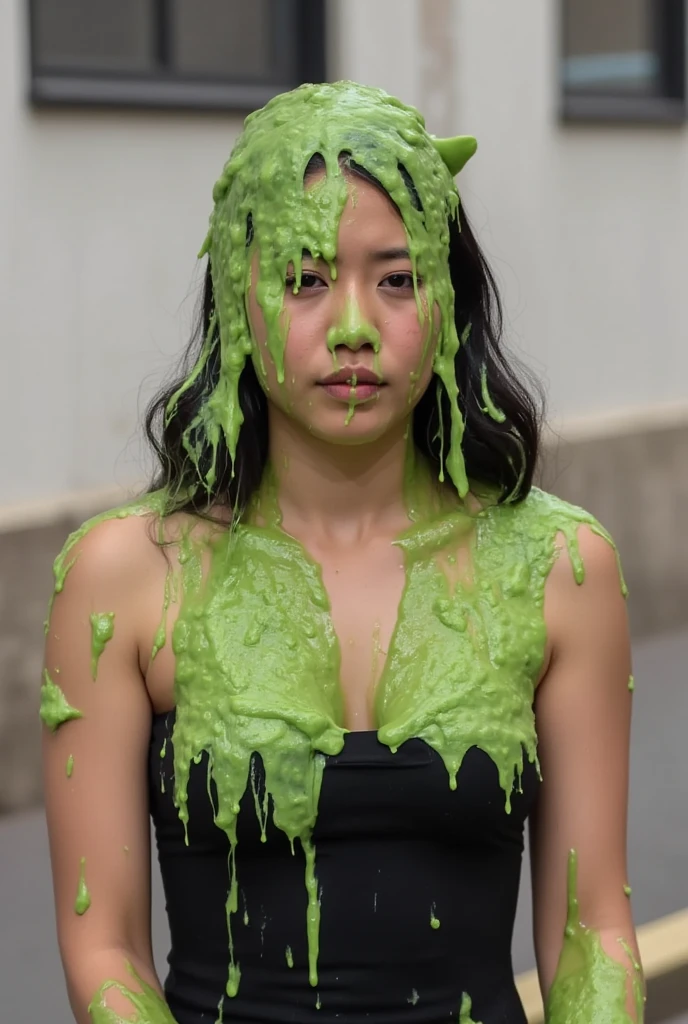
{"type": "Point", "coordinates": [263, 182]}
{"type": "Point", "coordinates": [102, 630]}
{"type": "Point", "coordinates": [258, 660]}
{"type": "Point", "coordinates": [257, 657]}
{"type": "Point", "coordinates": [149, 1006]}
{"type": "Point", "coordinates": [589, 984]}
{"type": "Point", "coordinates": [55, 709]}
{"type": "Point", "coordinates": [83, 897]}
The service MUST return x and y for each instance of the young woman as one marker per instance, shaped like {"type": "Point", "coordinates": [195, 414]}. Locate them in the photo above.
{"type": "Point", "coordinates": [343, 648]}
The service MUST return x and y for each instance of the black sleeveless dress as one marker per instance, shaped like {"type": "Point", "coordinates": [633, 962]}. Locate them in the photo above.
{"type": "Point", "coordinates": [418, 888]}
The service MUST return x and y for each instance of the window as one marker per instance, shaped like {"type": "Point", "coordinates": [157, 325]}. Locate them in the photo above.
{"type": "Point", "coordinates": [624, 59]}
{"type": "Point", "coordinates": [211, 54]}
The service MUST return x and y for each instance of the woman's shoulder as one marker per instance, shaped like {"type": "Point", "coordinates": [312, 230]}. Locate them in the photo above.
{"type": "Point", "coordinates": [568, 538]}
{"type": "Point", "coordinates": [124, 542]}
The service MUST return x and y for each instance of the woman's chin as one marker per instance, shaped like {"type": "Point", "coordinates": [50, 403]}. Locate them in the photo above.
{"type": "Point", "coordinates": [345, 431]}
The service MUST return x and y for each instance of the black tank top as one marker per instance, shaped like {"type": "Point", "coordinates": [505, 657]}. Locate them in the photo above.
{"type": "Point", "coordinates": [418, 888]}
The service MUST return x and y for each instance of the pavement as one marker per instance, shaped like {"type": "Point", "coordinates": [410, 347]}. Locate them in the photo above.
{"type": "Point", "coordinates": [31, 984]}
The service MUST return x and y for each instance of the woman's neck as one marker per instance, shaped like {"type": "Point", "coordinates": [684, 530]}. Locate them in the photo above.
{"type": "Point", "coordinates": [344, 493]}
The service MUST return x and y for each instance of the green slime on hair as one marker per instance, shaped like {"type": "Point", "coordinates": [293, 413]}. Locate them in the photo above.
{"type": "Point", "coordinates": [102, 630]}
{"type": "Point", "coordinates": [589, 984]}
{"type": "Point", "coordinates": [263, 181]}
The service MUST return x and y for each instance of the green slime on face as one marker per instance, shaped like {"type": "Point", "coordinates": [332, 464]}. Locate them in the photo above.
{"type": "Point", "coordinates": [55, 710]}
{"type": "Point", "coordinates": [83, 897]}
{"type": "Point", "coordinates": [102, 630]}
{"type": "Point", "coordinates": [264, 180]}
{"type": "Point", "coordinates": [590, 985]}
{"type": "Point", "coordinates": [70, 765]}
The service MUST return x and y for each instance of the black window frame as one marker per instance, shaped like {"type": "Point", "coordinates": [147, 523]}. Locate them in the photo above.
{"type": "Point", "coordinates": [668, 108]}
{"type": "Point", "coordinates": [79, 88]}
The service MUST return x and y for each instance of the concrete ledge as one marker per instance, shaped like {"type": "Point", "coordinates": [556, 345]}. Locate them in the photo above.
{"type": "Point", "coordinates": [664, 954]}
{"type": "Point", "coordinates": [635, 481]}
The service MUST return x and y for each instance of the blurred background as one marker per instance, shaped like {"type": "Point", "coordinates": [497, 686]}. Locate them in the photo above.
{"type": "Point", "coordinates": [116, 119]}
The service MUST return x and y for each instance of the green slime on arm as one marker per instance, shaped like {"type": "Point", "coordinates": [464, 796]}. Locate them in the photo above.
{"type": "Point", "coordinates": [589, 985]}
{"type": "Point", "coordinates": [55, 709]}
{"type": "Point", "coordinates": [102, 630]}
{"type": "Point", "coordinates": [148, 1005]}
{"type": "Point", "coordinates": [83, 897]}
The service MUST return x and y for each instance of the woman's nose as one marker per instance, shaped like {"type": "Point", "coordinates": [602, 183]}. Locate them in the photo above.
{"type": "Point", "coordinates": [353, 329]}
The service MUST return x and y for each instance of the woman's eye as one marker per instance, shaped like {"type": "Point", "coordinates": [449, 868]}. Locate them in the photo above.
{"type": "Point", "coordinates": [400, 282]}
{"type": "Point", "coordinates": [308, 281]}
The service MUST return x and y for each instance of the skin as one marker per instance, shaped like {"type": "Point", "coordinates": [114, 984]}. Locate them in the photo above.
{"type": "Point", "coordinates": [344, 500]}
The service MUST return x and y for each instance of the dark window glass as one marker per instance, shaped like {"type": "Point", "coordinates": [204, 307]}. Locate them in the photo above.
{"type": "Point", "coordinates": [218, 54]}
{"type": "Point", "coordinates": [611, 47]}
{"type": "Point", "coordinates": [624, 59]}
{"type": "Point", "coordinates": [234, 39]}
{"type": "Point", "coordinates": [94, 35]}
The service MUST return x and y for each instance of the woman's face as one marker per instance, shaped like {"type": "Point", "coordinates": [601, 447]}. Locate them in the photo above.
{"type": "Point", "coordinates": [367, 318]}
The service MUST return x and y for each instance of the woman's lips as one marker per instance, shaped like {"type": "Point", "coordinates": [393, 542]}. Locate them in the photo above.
{"type": "Point", "coordinates": [344, 392]}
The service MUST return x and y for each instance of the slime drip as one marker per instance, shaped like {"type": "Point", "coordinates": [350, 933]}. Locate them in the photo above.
{"type": "Point", "coordinates": [70, 765]}
{"type": "Point", "coordinates": [589, 984]}
{"type": "Point", "coordinates": [55, 710]}
{"type": "Point", "coordinates": [83, 897]}
{"type": "Point", "coordinates": [263, 184]}
{"type": "Point", "coordinates": [465, 1011]}
{"type": "Point", "coordinates": [434, 921]}
{"type": "Point", "coordinates": [631, 683]}
{"type": "Point", "coordinates": [489, 407]}
{"type": "Point", "coordinates": [149, 1007]}
{"type": "Point", "coordinates": [102, 630]}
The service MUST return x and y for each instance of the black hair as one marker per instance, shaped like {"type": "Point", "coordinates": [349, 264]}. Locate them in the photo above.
{"type": "Point", "coordinates": [500, 453]}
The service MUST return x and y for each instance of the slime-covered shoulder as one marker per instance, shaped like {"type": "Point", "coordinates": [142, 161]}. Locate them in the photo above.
{"type": "Point", "coordinates": [107, 541]}
{"type": "Point", "coordinates": [546, 517]}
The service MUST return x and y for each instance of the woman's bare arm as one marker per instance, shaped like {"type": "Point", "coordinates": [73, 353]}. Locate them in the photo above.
{"type": "Point", "coordinates": [583, 711]}
{"type": "Point", "coordinates": [98, 815]}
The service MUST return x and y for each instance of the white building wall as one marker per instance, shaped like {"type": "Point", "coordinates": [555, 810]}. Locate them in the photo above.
{"type": "Point", "coordinates": [101, 214]}
{"type": "Point", "coordinates": [587, 226]}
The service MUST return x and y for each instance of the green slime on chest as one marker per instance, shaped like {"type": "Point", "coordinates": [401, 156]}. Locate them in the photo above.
{"type": "Point", "coordinates": [258, 661]}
